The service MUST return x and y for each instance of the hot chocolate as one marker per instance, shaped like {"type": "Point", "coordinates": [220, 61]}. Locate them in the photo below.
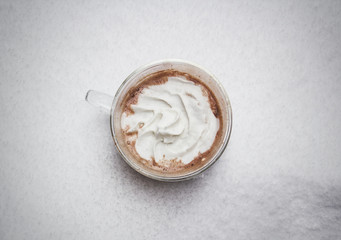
{"type": "Point", "coordinates": [171, 122]}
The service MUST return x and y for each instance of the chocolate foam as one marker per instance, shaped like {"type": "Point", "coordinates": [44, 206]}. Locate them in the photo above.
{"type": "Point", "coordinates": [173, 165]}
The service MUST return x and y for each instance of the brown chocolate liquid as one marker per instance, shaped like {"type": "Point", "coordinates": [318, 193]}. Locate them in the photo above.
{"type": "Point", "coordinates": [170, 166]}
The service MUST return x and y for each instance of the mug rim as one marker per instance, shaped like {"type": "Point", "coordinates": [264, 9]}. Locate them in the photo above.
{"type": "Point", "coordinates": [189, 175]}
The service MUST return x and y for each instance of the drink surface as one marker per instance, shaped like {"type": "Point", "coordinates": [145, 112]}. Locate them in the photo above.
{"type": "Point", "coordinates": [171, 121]}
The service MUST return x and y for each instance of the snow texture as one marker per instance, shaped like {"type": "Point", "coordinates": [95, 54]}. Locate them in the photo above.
{"type": "Point", "coordinates": [62, 178]}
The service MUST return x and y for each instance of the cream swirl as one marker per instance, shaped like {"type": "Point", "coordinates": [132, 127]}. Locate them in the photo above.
{"type": "Point", "coordinates": [173, 121]}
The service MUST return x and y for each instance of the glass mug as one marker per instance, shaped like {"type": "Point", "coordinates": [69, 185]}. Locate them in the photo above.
{"type": "Point", "coordinates": [113, 104]}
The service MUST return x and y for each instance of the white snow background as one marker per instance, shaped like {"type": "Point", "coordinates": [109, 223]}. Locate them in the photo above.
{"type": "Point", "coordinates": [60, 174]}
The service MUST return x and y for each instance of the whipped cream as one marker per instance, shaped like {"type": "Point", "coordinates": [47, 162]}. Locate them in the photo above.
{"type": "Point", "coordinates": [173, 121]}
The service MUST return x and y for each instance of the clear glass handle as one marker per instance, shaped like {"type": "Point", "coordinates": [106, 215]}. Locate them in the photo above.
{"type": "Point", "coordinates": [99, 99]}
